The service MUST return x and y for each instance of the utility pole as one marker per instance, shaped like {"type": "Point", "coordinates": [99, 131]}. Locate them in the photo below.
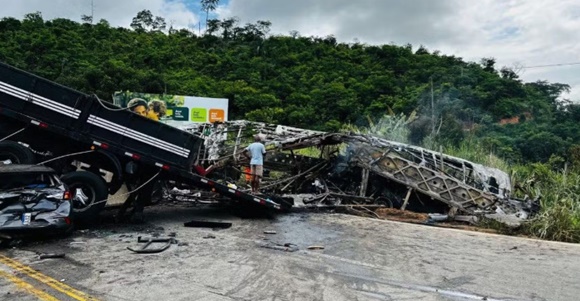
{"type": "Point", "coordinates": [92, 11]}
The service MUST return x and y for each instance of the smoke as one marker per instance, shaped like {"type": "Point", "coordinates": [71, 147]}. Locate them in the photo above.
{"type": "Point", "coordinates": [391, 127]}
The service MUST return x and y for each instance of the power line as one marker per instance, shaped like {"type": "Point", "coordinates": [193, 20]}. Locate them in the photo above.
{"type": "Point", "coordinates": [551, 65]}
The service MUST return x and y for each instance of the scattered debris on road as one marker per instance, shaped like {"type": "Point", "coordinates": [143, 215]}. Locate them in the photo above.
{"type": "Point", "coordinates": [149, 241]}
{"type": "Point", "coordinates": [315, 247]}
{"type": "Point", "coordinates": [208, 224]}
{"type": "Point", "coordinates": [287, 247]}
{"type": "Point", "coordinates": [46, 256]}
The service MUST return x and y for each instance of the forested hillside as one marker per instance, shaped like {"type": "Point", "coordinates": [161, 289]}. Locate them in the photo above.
{"type": "Point", "coordinates": [309, 82]}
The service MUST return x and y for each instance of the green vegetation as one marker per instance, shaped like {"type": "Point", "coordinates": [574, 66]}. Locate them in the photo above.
{"type": "Point", "coordinates": [321, 84]}
{"type": "Point", "coordinates": [560, 217]}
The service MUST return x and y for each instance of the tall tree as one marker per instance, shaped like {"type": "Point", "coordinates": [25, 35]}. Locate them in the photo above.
{"type": "Point", "coordinates": [146, 21]}
{"type": "Point", "coordinates": [87, 19]}
{"type": "Point", "coordinates": [207, 6]}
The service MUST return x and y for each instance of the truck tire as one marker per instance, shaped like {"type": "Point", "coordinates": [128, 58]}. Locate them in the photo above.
{"type": "Point", "coordinates": [89, 192]}
{"type": "Point", "coordinates": [16, 153]}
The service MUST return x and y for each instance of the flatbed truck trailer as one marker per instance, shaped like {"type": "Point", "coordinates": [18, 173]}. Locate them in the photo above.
{"type": "Point", "coordinates": [42, 121]}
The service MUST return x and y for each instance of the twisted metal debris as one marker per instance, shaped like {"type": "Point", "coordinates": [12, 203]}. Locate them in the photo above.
{"type": "Point", "coordinates": [359, 169]}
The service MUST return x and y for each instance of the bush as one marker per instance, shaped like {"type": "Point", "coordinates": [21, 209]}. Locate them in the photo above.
{"type": "Point", "coordinates": [559, 218]}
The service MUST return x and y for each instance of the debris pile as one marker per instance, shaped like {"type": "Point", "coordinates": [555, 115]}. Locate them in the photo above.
{"type": "Point", "coordinates": [330, 170]}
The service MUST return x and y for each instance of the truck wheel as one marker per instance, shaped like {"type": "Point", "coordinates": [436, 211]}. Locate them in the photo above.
{"type": "Point", "coordinates": [16, 153]}
{"type": "Point", "coordinates": [89, 193]}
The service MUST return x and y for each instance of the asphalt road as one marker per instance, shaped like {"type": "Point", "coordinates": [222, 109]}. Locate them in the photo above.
{"type": "Point", "coordinates": [362, 259]}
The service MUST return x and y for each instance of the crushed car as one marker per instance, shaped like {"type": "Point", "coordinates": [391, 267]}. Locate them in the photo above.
{"type": "Point", "coordinates": [33, 201]}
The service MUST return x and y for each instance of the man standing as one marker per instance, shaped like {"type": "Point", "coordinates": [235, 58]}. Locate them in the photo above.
{"type": "Point", "coordinates": [256, 153]}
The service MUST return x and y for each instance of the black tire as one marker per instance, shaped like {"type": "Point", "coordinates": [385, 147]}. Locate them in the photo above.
{"type": "Point", "coordinates": [94, 190]}
{"type": "Point", "coordinates": [16, 153]}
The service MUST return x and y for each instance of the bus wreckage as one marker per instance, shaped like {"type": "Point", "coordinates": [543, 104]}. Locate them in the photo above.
{"type": "Point", "coordinates": [328, 170]}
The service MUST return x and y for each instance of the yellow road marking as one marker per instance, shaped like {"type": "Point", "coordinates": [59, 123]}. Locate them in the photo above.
{"type": "Point", "coordinates": [28, 287]}
{"type": "Point", "coordinates": [55, 284]}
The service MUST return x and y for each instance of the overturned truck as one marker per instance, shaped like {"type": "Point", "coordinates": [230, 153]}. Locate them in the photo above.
{"type": "Point", "coordinates": [319, 169]}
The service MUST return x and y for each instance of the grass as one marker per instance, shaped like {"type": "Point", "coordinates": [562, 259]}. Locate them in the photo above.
{"type": "Point", "coordinates": [559, 188]}
{"type": "Point", "coordinates": [559, 220]}
{"type": "Point", "coordinates": [560, 200]}
{"type": "Point", "coordinates": [470, 149]}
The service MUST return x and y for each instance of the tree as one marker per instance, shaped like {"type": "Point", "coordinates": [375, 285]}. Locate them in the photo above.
{"type": "Point", "coordinates": [212, 26]}
{"type": "Point", "coordinates": [227, 27]}
{"type": "Point", "coordinates": [146, 21]}
{"type": "Point", "coordinates": [87, 19]}
{"type": "Point", "coordinates": [488, 65]}
{"type": "Point", "coordinates": [207, 6]}
{"type": "Point", "coordinates": [508, 73]}
{"type": "Point", "coordinates": [294, 33]}
{"type": "Point", "coordinates": [35, 17]}
{"type": "Point", "coordinates": [143, 20]}
{"type": "Point", "coordinates": [159, 24]}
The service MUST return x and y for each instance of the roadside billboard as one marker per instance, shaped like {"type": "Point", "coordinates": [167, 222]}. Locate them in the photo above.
{"type": "Point", "coordinates": [181, 110]}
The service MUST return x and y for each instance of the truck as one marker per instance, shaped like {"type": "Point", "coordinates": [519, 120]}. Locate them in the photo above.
{"type": "Point", "coordinates": [84, 138]}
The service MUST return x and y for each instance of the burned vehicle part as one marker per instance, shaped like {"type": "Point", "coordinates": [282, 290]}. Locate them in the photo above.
{"type": "Point", "coordinates": [358, 169]}
{"type": "Point", "coordinates": [33, 201]}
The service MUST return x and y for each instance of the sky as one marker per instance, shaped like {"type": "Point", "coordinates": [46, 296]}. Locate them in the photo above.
{"type": "Point", "coordinates": [517, 33]}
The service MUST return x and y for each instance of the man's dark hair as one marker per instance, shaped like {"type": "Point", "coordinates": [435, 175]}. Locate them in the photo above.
{"type": "Point", "coordinates": [135, 102]}
{"type": "Point", "coordinates": [158, 107]}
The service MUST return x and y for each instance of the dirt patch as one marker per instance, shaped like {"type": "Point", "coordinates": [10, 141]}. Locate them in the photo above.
{"type": "Point", "coordinates": [423, 218]}
{"type": "Point", "coordinates": [402, 215]}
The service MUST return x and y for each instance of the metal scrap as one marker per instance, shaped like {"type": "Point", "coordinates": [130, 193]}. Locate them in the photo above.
{"type": "Point", "coordinates": [362, 170]}
{"type": "Point", "coordinates": [287, 247]}
{"type": "Point", "coordinates": [208, 224]}
{"type": "Point", "coordinates": [46, 256]}
{"type": "Point", "coordinates": [147, 250]}
{"type": "Point", "coordinates": [315, 247]}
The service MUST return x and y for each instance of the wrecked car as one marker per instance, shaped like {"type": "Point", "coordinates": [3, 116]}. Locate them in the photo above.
{"type": "Point", "coordinates": [33, 201]}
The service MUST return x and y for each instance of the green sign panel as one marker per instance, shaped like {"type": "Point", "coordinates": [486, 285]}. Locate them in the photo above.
{"type": "Point", "coordinates": [180, 114]}
{"type": "Point", "coordinates": [198, 115]}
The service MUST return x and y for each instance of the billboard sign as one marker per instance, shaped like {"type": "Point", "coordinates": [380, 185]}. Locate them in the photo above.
{"type": "Point", "coordinates": [181, 110]}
